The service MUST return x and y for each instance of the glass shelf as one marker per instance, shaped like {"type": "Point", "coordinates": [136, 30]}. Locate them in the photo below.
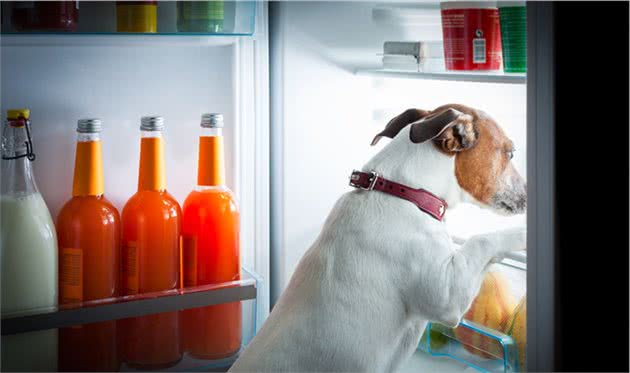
{"type": "Point", "coordinates": [115, 40]}
{"type": "Point", "coordinates": [103, 335]}
{"type": "Point", "coordinates": [100, 18]}
{"type": "Point", "coordinates": [132, 305]}
{"type": "Point", "coordinates": [479, 77]}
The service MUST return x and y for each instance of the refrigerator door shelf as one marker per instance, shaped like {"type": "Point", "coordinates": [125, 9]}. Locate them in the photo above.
{"type": "Point", "coordinates": [212, 325]}
{"type": "Point", "coordinates": [247, 288]}
{"type": "Point", "coordinates": [207, 338]}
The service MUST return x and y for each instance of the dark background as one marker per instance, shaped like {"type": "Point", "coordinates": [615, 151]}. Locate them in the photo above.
{"type": "Point", "coordinates": [591, 71]}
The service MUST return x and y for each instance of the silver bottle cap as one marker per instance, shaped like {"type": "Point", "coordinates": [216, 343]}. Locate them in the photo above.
{"type": "Point", "coordinates": [212, 120]}
{"type": "Point", "coordinates": [152, 123]}
{"type": "Point", "coordinates": [89, 125]}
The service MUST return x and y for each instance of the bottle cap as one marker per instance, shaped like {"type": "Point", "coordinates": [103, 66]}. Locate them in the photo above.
{"type": "Point", "coordinates": [13, 114]}
{"type": "Point", "coordinates": [212, 120]}
{"type": "Point", "coordinates": [89, 125]}
{"type": "Point", "coordinates": [152, 123]}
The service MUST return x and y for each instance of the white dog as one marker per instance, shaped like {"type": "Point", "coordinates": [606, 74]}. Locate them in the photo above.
{"type": "Point", "coordinates": [382, 268]}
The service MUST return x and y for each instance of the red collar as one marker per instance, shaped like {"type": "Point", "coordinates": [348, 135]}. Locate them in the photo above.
{"type": "Point", "coordinates": [426, 201]}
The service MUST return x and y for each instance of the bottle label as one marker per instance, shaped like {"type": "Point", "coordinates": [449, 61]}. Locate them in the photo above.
{"type": "Point", "coordinates": [71, 275]}
{"type": "Point", "coordinates": [88, 169]}
{"type": "Point", "coordinates": [479, 50]}
{"type": "Point", "coordinates": [211, 166]}
{"type": "Point", "coordinates": [130, 268]}
{"type": "Point", "coordinates": [189, 259]}
{"type": "Point", "coordinates": [152, 175]}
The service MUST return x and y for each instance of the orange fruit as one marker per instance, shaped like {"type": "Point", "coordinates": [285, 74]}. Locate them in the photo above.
{"type": "Point", "coordinates": [517, 328]}
{"type": "Point", "coordinates": [491, 308]}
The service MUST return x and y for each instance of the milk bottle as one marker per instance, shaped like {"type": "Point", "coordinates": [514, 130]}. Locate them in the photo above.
{"type": "Point", "coordinates": [28, 250]}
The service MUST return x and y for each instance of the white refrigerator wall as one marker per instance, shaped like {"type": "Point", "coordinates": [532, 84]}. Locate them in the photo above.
{"type": "Point", "coordinates": [120, 78]}
{"type": "Point", "coordinates": [119, 84]}
{"type": "Point", "coordinates": [324, 116]}
{"type": "Point", "coordinates": [118, 81]}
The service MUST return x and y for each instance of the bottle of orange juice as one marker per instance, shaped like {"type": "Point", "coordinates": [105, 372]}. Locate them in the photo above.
{"type": "Point", "coordinates": [88, 232]}
{"type": "Point", "coordinates": [151, 255]}
{"type": "Point", "coordinates": [211, 252]}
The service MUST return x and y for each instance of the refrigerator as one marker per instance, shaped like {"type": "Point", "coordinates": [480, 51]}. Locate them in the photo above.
{"type": "Point", "coordinates": [303, 90]}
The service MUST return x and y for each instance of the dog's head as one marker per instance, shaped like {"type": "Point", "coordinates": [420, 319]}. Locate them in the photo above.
{"type": "Point", "coordinates": [481, 151]}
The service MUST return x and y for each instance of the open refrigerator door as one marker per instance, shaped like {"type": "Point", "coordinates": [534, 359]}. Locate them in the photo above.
{"type": "Point", "coordinates": [95, 69]}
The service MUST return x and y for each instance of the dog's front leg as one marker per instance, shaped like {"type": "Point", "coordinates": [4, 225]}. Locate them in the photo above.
{"type": "Point", "coordinates": [466, 267]}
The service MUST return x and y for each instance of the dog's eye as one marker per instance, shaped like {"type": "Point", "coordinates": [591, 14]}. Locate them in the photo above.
{"type": "Point", "coordinates": [511, 153]}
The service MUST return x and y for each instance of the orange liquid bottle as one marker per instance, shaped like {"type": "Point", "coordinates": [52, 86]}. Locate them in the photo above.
{"type": "Point", "coordinates": [150, 255]}
{"type": "Point", "coordinates": [88, 233]}
{"type": "Point", "coordinates": [211, 249]}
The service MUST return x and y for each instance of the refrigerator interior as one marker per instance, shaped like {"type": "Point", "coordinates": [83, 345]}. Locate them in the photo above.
{"type": "Point", "coordinates": [326, 110]}
{"type": "Point", "coordinates": [96, 73]}
{"type": "Point", "coordinates": [119, 78]}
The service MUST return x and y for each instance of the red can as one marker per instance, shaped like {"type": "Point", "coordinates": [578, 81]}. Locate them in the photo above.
{"type": "Point", "coordinates": [472, 35]}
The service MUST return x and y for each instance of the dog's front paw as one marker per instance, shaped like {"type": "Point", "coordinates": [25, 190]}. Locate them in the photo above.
{"type": "Point", "coordinates": [497, 259]}
{"type": "Point", "coordinates": [451, 321]}
{"type": "Point", "coordinates": [514, 239]}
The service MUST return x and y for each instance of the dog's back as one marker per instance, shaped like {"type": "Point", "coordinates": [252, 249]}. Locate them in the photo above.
{"type": "Point", "coordinates": [328, 318]}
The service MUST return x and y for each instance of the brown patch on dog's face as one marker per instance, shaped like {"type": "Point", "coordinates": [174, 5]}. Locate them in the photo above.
{"type": "Point", "coordinates": [484, 169]}
{"type": "Point", "coordinates": [481, 149]}
{"type": "Point", "coordinates": [479, 168]}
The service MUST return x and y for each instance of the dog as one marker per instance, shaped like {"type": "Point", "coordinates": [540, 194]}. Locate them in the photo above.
{"type": "Point", "coordinates": [381, 268]}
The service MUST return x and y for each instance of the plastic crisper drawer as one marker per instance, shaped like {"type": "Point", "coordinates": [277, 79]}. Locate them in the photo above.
{"type": "Point", "coordinates": [492, 335]}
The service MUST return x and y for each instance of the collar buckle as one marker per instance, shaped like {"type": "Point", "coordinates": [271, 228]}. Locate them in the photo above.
{"type": "Point", "coordinates": [356, 176]}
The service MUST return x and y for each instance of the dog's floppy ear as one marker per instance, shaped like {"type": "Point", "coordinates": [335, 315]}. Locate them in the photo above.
{"type": "Point", "coordinates": [451, 130]}
{"type": "Point", "coordinates": [433, 125]}
{"type": "Point", "coordinates": [399, 122]}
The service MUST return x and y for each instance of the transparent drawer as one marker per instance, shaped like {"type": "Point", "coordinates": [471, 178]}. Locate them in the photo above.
{"type": "Point", "coordinates": [492, 335]}
{"type": "Point", "coordinates": [196, 328]}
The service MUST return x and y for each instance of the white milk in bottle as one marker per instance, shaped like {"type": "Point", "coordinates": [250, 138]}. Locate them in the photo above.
{"type": "Point", "coordinates": [28, 250]}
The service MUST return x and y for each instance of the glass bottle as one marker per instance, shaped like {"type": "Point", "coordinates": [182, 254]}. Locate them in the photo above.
{"type": "Point", "coordinates": [211, 249]}
{"type": "Point", "coordinates": [88, 231]}
{"type": "Point", "coordinates": [150, 255]}
{"type": "Point", "coordinates": [28, 249]}
{"type": "Point", "coordinates": [200, 16]}
{"type": "Point", "coordinates": [136, 16]}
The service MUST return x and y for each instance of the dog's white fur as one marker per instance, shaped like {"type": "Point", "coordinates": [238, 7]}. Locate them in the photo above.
{"type": "Point", "coordinates": [379, 271]}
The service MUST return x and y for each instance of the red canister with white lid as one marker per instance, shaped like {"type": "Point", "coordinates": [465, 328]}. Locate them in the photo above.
{"type": "Point", "coordinates": [472, 35]}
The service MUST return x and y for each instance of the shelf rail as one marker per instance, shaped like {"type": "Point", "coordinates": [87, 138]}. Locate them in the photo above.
{"type": "Point", "coordinates": [477, 77]}
{"type": "Point", "coordinates": [131, 306]}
